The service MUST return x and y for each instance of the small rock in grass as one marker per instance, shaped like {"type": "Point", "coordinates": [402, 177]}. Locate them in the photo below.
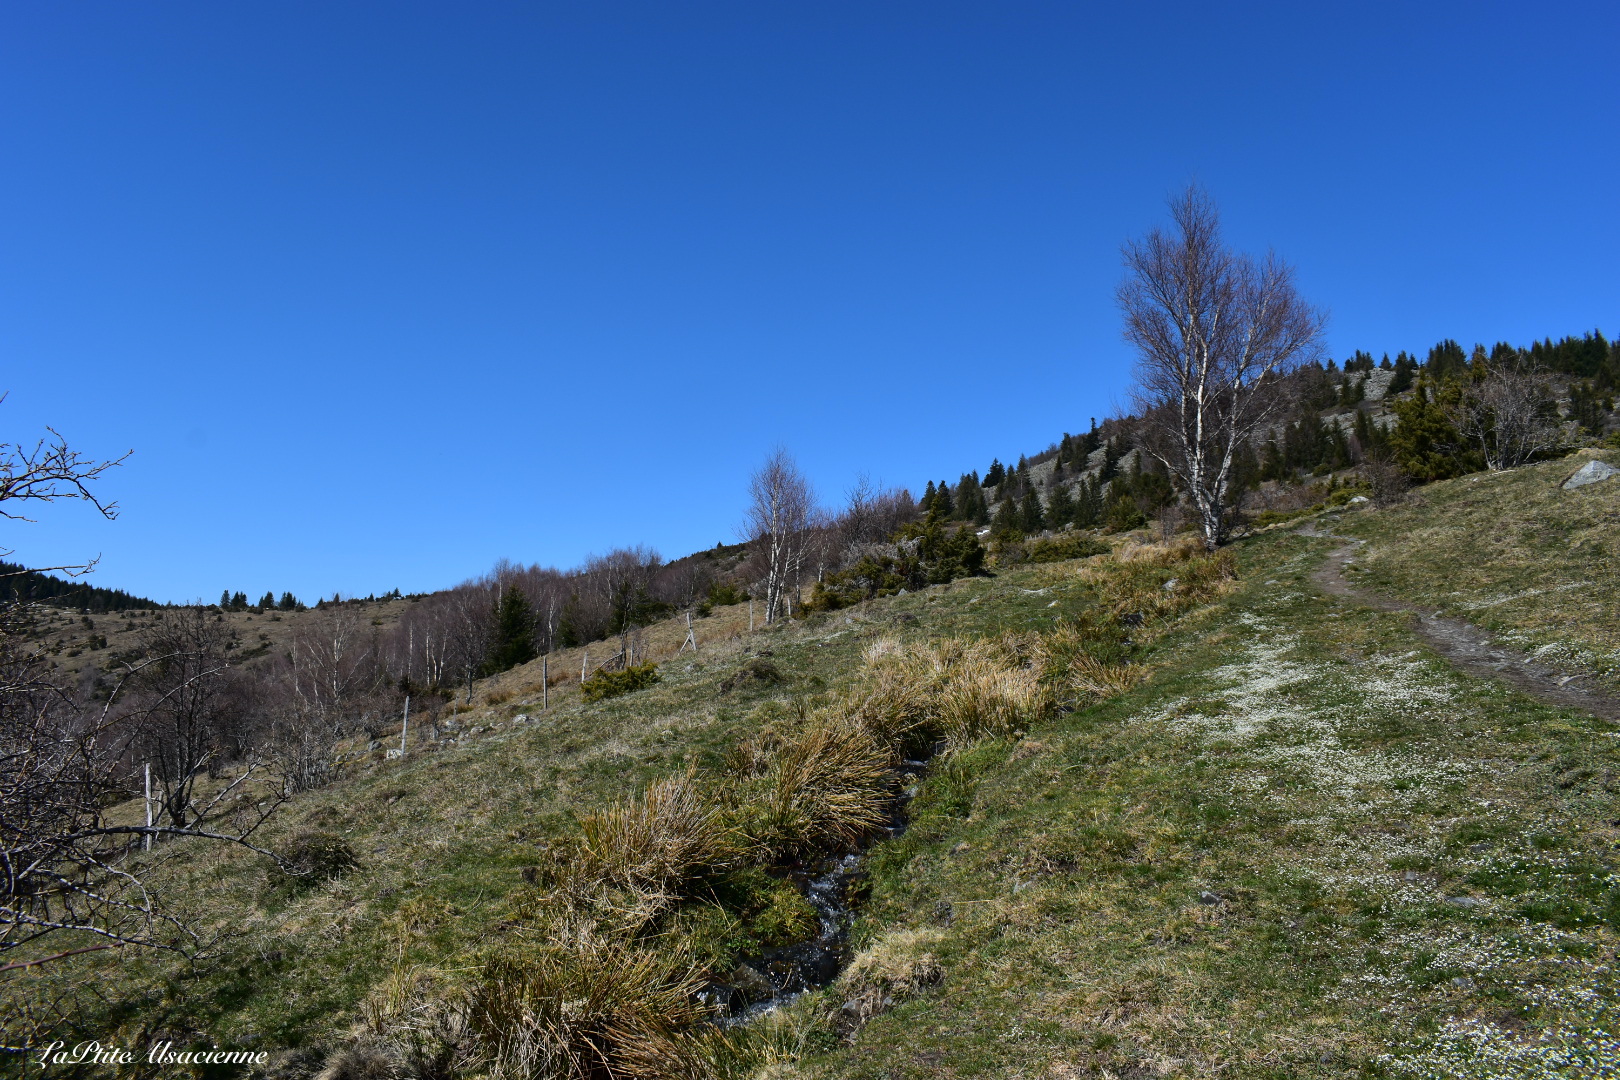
{"type": "Point", "coordinates": [1593, 472]}
{"type": "Point", "coordinates": [1464, 901]}
{"type": "Point", "coordinates": [1209, 898]}
{"type": "Point", "coordinates": [959, 848]}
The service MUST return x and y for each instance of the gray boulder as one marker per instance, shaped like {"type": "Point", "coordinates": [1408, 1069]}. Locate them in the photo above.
{"type": "Point", "coordinates": [1593, 472]}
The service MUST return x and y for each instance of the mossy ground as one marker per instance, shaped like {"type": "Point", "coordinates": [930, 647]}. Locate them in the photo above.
{"type": "Point", "coordinates": [1304, 847]}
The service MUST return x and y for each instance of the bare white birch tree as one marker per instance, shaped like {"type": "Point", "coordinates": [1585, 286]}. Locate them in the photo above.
{"type": "Point", "coordinates": [1214, 332]}
{"type": "Point", "coordinates": [780, 511]}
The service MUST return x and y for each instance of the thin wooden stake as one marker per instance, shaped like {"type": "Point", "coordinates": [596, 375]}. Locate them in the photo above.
{"type": "Point", "coordinates": [750, 614]}
{"type": "Point", "coordinates": [545, 682]}
{"type": "Point", "coordinates": [405, 726]}
{"type": "Point", "coordinates": [149, 806]}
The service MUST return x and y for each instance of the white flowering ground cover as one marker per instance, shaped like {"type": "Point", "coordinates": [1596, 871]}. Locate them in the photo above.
{"type": "Point", "coordinates": [1306, 847]}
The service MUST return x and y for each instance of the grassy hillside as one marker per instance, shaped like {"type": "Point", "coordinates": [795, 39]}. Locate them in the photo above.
{"type": "Point", "coordinates": [1245, 830]}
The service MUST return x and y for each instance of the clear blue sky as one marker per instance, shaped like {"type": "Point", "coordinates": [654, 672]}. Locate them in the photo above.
{"type": "Point", "coordinates": [381, 292]}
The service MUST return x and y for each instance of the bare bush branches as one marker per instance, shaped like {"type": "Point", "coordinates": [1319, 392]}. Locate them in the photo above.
{"type": "Point", "coordinates": [1509, 414]}
{"type": "Point", "coordinates": [1214, 330]}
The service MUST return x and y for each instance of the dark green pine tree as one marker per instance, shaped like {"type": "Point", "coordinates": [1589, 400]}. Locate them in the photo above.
{"type": "Point", "coordinates": [267, 601]}
{"type": "Point", "coordinates": [1425, 442]}
{"type": "Point", "coordinates": [289, 602]}
{"type": "Point", "coordinates": [513, 641]}
{"type": "Point", "coordinates": [239, 601]}
{"type": "Point", "coordinates": [1110, 464]}
{"type": "Point", "coordinates": [970, 504]}
{"type": "Point", "coordinates": [225, 599]}
{"type": "Point", "coordinates": [926, 503]}
{"type": "Point", "coordinates": [942, 499]}
{"type": "Point", "coordinates": [1446, 360]}
{"type": "Point", "coordinates": [1030, 518]}
{"type": "Point", "coordinates": [1083, 515]}
{"type": "Point", "coordinates": [1405, 369]}
{"type": "Point", "coordinates": [1006, 520]}
{"type": "Point", "coordinates": [1059, 507]}
{"type": "Point", "coordinates": [568, 633]}
{"type": "Point", "coordinates": [1089, 444]}
{"type": "Point", "coordinates": [995, 474]}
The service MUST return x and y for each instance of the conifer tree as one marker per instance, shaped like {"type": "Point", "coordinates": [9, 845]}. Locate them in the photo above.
{"type": "Point", "coordinates": [225, 599]}
{"type": "Point", "coordinates": [1089, 444]}
{"type": "Point", "coordinates": [1405, 367]}
{"type": "Point", "coordinates": [995, 474]}
{"type": "Point", "coordinates": [1425, 442]}
{"type": "Point", "coordinates": [1006, 520]}
{"type": "Point", "coordinates": [1123, 513]}
{"type": "Point", "coordinates": [942, 499]}
{"type": "Point", "coordinates": [1446, 359]}
{"type": "Point", "coordinates": [1030, 518]}
{"type": "Point", "coordinates": [513, 640]}
{"type": "Point", "coordinates": [267, 601]}
{"type": "Point", "coordinates": [926, 503]}
{"type": "Point", "coordinates": [239, 601]}
{"type": "Point", "coordinates": [289, 602]}
{"type": "Point", "coordinates": [1059, 507]}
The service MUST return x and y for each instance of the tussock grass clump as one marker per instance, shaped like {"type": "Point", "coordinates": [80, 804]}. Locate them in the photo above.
{"type": "Point", "coordinates": [653, 846]}
{"type": "Point", "coordinates": [829, 786]}
{"type": "Point", "coordinates": [1146, 582]}
{"type": "Point", "coordinates": [586, 1010]}
{"type": "Point", "coordinates": [956, 691]}
{"type": "Point", "coordinates": [578, 1008]}
{"type": "Point", "coordinates": [314, 857]}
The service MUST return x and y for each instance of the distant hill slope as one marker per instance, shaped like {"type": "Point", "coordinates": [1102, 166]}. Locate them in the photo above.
{"type": "Point", "coordinates": [20, 583]}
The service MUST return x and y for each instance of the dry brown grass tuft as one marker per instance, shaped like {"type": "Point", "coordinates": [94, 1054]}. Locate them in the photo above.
{"type": "Point", "coordinates": [829, 787]}
{"type": "Point", "coordinates": [958, 691]}
{"type": "Point", "coordinates": [413, 1026]}
{"type": "Point", "coordinates": [653, 845]}
{"type": "Point", "coordinates": [895, 967]}
{"type": "Point", "coordinates": [588, 1010]}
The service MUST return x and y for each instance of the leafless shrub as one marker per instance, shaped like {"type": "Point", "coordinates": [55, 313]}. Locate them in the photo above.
{"type": "Point", "coordinates": [1388, 480]}
{"type": "Point", "coordinates": [1509, 415]}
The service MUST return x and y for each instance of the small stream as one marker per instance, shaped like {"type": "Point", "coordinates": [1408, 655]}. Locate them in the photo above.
{"type": "Point", "coordinates": [832, 885]}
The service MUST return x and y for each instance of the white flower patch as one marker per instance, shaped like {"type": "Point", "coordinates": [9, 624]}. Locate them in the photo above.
{"type": "Point", "coordinates": [1581, 1045]}
{"type": "Point", "coordinates": [1260, 694]}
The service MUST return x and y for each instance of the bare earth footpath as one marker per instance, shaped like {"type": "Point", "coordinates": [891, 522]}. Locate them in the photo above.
{"type": "Point", "coordinates": [1464, 645]}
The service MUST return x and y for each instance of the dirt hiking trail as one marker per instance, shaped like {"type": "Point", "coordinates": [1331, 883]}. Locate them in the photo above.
{"type": "Point", "coordinates": [1465, 645]}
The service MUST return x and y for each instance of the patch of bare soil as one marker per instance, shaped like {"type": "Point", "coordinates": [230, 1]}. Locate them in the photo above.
{"type": "Point", "coordinates": [1465, 645]}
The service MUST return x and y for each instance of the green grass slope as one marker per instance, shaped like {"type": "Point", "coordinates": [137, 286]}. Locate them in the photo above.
{"type": "Point", "coordinates": [1284, 841]}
